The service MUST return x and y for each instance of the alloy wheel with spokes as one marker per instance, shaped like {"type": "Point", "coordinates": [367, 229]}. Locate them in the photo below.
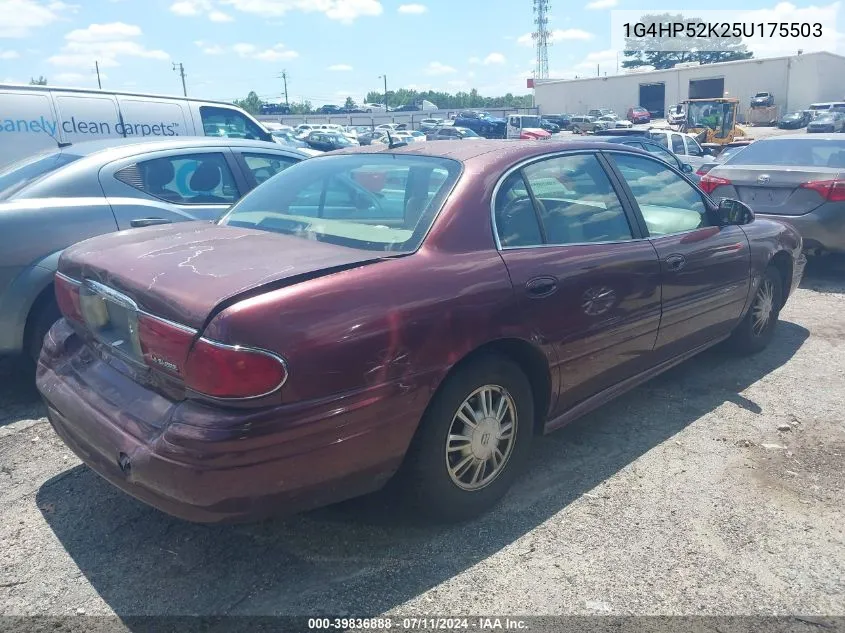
{"type": "Point", "coordinates": [481, 437]}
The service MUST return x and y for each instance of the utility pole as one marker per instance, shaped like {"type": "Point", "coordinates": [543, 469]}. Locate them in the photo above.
{"type": "Point", "coordinates": [97, 70]}
{"type": "Point", "coordinates": [285, 79]}
{"type": "Point", "coordinates": [182, 74]}
{"type": "Point", "coordinates": [385, 90]}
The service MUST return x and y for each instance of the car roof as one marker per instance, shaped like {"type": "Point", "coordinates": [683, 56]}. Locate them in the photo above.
{"type": "Point", "coordinates": [831, 136]}
{"type": "Point", "coordinates": [129, 146]}
{"type": "Point", "coordinates": [478, 151]}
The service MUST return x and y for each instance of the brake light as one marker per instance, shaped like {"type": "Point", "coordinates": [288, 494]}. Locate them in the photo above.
{"type": "Point", "coordinates": [232, 371]}
{"type": "Point", "coordinates": [830, 190]}
{"type": "Point", "coordinates": [164, 345]}
{"type": "Point", "coordinates": [67, 297]}
{"type": "Point", "coordinates": [709, 183]}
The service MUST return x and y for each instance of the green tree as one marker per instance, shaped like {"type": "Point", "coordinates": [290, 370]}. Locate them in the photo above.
{"type": "Point", "coordinates": [41, 81]}
{"type": "Point", "coordinates": [457, 101]}
{"type": "Point", "coordinates": [301, 107]}
{"type": "Point", "coordinates": [349, 104]}
{"type": "Point", "coordinates": [251, 104]}
{"type": "Point", "coordinates": [652, 51]}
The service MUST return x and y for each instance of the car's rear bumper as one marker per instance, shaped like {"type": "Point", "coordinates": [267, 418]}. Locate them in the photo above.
{"type": "Point", "coordinates": [823, 228]}
{"type": "Point", "coordinates": [209, 464]}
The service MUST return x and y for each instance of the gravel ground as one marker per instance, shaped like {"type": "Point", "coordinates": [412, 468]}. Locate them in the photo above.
{"type": "Point", "coordinates": [714, 489]}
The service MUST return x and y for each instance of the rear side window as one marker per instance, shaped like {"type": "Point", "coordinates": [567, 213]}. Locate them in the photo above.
{"type": "Point", "coordinates": [17, 176]}
{"type": "Point", "coordinates": [678, 144]}
{"type": "Point", "coordinates": [797, 152]}
{"type": "Point", "coordinates": [661, 139]}
{"type": "Point", "coordinates": [575, 204]}
{"type": "Point", "coordinates": [184, 179]}
{"type": "Point", "coordinates": [230, 123]}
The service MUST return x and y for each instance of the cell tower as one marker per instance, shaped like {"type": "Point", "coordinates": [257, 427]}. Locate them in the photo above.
{"type": "Point", "coordinates": [541, 35]}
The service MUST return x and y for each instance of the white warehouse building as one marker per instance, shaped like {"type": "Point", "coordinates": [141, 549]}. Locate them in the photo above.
{"type": "Point", "coordinates": [795, 81]}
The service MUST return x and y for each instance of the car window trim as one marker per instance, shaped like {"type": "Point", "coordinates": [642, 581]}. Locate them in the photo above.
{"type": "Point", "coordinates": [635, 226]}
{"type": "Point", "coordinates": [708, 202]}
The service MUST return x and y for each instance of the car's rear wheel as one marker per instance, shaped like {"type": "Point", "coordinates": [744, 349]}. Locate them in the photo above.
{"type": "Point", "coordinates": [472, 442]}
{"type": "Point", "coordinates": [757, 328]}
{"type": "Point", "coordinates": [41, 319]}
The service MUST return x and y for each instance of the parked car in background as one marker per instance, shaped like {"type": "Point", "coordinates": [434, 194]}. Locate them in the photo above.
{"type": "Point", "coordinates": [289, 138]}
{"type": "Point", "coordinates": [424, 335]}
{"type": "Point", "coordinates": [762, 100]}
{"type": "Point", "coordinates": [430, 124]}
{"type": "Point", "coordinates": [366, 138]}
{"type": "Point", "coordinates": [551, 128]}
{"type": "Point", "coordinates": [796, 178]}
{"type": "Point", "coordinates": [53, 199]}
{"type": "Point", "coordinates": [615, 122]}
{"type": "Point", "coordinates": [638, 114]}
{"type": "Point", "coordinates": [683, 145]}
{"type": "Point", "coordinates": [329, 109]}
{"type": "Point", "coordinates": [451, 133]}
{"type": "Point", "coordinates": [795, 120]}
{"type": "Point", "coordinates": [677, 114]}
{"type": "Point", "coordinates": [327, 141]}
{"type": "Point", "coordinates": [582, 123]}
{"type": "Point", "coordinates": [601, 112]}
{"type": "Point", "coordinates": [274, 108]}
{"type": "Point", "coordinates": [482, 123]}
{"type": "Point", "coordinates": [561, 120]}
{"type": "Point", "coordinates": [38, 118]}
{"type": "Point", "coordinates": [373, 107]}
{"type": "Point", "coordinates": [831, 121]}
{"type": "Point", "coordinates": [727, 151]}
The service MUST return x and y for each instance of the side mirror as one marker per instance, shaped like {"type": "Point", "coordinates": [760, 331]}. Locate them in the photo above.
{"type": "Point", "coordinates": [734, 213]}
{"type": "Point", "coordinates": [686, 168]}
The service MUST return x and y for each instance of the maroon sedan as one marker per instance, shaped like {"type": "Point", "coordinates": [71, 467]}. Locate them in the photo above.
{"type": "Point", "coordinates": [420, 312]}
{"type": "Point", "coordinates": [638, 114]}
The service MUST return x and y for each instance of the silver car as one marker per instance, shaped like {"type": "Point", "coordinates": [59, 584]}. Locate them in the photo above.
{"type": "Point", "coordinates": [799, 179]}
{"type": "Point", "coordinates": [54, 199]}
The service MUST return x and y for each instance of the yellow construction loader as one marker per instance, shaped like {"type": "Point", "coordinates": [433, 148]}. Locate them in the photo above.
{"type": "Point", "coordinates": [713, 121]}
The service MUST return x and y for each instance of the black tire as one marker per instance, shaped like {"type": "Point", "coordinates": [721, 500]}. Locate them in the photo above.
{"type": "Point", "coordinates": [41, 320]}
{"type": "Point", "coordinates": [425, 481]}
{"type": "Point", "coordinates": [749, 337]}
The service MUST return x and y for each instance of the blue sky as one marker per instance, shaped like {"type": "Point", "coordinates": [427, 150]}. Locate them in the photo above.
{"type": "Point", "coordinates": [330, 48]}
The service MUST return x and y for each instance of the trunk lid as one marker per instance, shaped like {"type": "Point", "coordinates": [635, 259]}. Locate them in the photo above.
{"type": "Point", "coordinates": [183, 272]}
{"type": "Point", "coordinates": [774, 190]}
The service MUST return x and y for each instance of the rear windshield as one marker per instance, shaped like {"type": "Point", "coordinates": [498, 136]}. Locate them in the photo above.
{"type": "Point", "coordinates": [377, 202]}
{"type": "Point", "coordinates": [797, 152]}
{"type": "Point", "coordinates": [25, 172]}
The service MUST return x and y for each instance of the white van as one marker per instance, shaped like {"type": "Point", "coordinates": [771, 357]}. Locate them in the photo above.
{"type": "Point", "coordinates": [35, 118]}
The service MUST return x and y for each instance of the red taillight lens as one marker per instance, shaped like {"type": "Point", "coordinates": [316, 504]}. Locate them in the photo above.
{"type": "Point", "coordinates": [709, 183]}
{"type": "Point", "coordinates": [702, 170]}
{"type": "Point", "coordinates": [164, 345]}
{"type": "Point", "coordinates": [226, 371]}
{"type": "Point", "coordinates": [67, 296]}
{"type": "Point", "coordinates": [830, 190]}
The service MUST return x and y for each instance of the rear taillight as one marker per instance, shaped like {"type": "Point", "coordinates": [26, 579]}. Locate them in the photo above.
{"type": "Point", "coordinates": [208, 367]}
{"type": "Point", "coordinates": [709, 183]}
{"type": "Point", "coordinates": [830, 190]}
{"type": "Point", "coordinates": [232, 371]}
{"type": "Point", "coordinates": [67, 296]}
{"type": "Point", "coordinates": [164, 345]}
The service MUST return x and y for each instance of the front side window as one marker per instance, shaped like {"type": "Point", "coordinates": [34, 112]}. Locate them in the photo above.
{"type": "Point", "coordinates": [573, 201]}
{"type": "Point", "coordinates": [662, 154]}
{"type": "Point", "coordinates": [693, 148]}
{"type": "Point", "coordinates": [668, 203]}
{"type": "Point", "coordinates": [230, 123]}
{"type": "Point", "coordinates": [366, 201]}
{"type": "Point", "coordinates": [184, 179]}
{"type": "Point", "coordinates": [265, 166]}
